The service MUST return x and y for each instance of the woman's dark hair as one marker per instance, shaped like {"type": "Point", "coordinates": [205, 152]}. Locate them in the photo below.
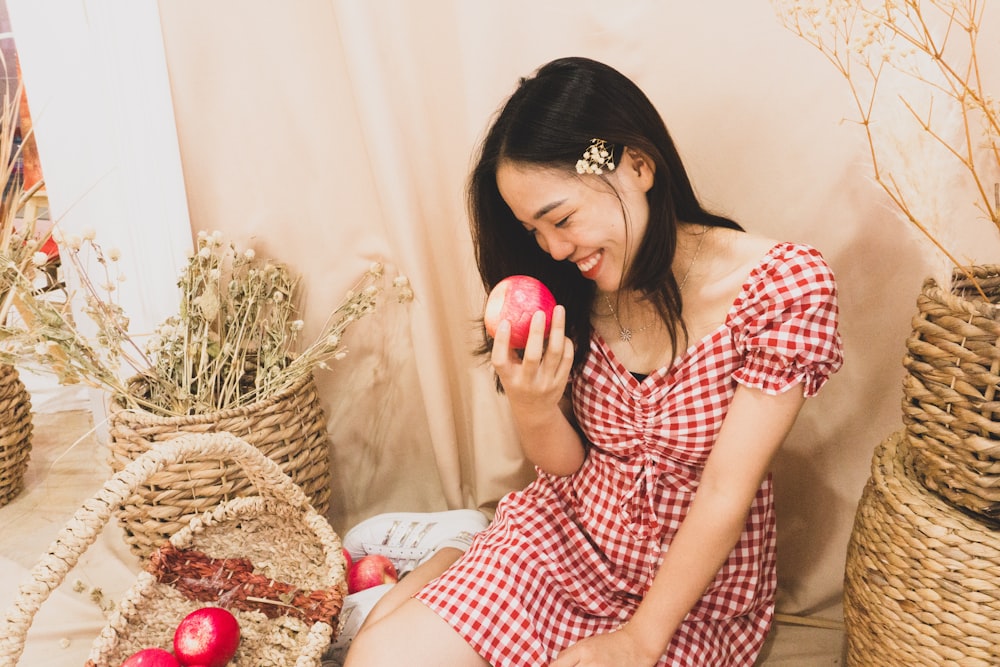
{"type": "Point", "coordinates": [550, 121]}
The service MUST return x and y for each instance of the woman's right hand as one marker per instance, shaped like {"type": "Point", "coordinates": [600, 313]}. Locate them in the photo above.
{"type": "Point", "coordinates": [537, 379]}
{"type": "Point", "coordinates": [535, 384]}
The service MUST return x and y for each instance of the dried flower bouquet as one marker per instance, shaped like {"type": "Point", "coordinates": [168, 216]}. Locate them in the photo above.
{"type": "Point", "coordinates": [916, 62]}
{"type": "Point", "coordinates": [233, 340]}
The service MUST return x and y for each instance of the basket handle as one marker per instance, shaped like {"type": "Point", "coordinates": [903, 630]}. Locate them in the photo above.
{"type": "Point", "coordinates": [89, 520]}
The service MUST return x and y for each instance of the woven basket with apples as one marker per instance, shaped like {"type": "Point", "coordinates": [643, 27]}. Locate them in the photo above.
{"type": "Point", "coordinates": [258, 581]}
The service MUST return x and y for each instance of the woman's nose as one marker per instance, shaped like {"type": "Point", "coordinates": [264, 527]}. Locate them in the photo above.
{"type": "Point", "coordinates": [555, 245]}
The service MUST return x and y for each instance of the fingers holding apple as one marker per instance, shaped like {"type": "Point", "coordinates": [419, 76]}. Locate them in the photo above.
{"type": "Point", "coordinates": [538, 336]}
{"type": "Point", "coordinates": [516, 299]}
{"type": "Point", "coordinates": [559, 350]}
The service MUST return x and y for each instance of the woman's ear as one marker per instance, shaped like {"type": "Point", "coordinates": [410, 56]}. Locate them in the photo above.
{"type": "Point", "coordinates": [639, 167]}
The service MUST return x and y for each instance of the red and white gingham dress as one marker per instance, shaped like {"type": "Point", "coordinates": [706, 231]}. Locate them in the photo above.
{"type": "Point", "coordinates": [570, 557]}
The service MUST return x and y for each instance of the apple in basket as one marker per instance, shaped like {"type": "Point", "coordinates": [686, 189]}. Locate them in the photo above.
{"type": "Point", "coordinates": [207, 637]}
{"type": "Point", "coordinates": [151, 657]}
{"type": "Point", "coordinates": [516, 299]}
{"type": "Point", "coordinates": [370, 570]}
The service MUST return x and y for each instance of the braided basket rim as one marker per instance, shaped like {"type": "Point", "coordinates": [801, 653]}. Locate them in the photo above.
{"type": "Point", "coordinates": [958, 302]}
{"type": "Point", "coordinates": [148, 418]}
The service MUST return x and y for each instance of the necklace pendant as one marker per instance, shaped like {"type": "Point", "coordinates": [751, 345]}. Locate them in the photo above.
{"type": "Point", "coordinates": [625, 335]}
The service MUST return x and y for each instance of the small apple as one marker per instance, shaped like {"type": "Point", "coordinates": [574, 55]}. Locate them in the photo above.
{"type": "Point", "coordinates": [516, 299]}
{"type": "Point", "coordinates": [370, 570]}
{"type": "Point", "coordinates": [207, 636]}
{"type": "Point", "coordinates": [347, 559]}
{"type": "Point", "coordinates": [151, 657]}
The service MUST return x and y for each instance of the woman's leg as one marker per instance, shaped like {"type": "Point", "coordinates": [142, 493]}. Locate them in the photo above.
{"type": "Point", "coordinates": [364, 608]}
{"type": "Point", "coordinates": [420, 545]}
{"type": "Point", "coordinates": [402, 631]}
{"type": "Point", "coordinates": [411, 583]}
{"type": "Point", "coordinates": [411, 635]}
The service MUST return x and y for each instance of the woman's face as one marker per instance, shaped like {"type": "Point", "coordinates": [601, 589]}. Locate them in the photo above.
{"type": "Point", "coordinates": [595, 224]}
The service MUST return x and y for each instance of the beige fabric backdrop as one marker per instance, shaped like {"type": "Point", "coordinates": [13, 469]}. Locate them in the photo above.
{"type": "Point", "coordinates": [333, 132]}
{"type": "Point", "coordinates": [329, 133]}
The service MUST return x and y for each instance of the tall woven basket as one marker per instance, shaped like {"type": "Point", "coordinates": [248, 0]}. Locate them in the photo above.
{"type": "Point", "coordinates": [268, 558]}
{"type": "Point", "coordinates": [922, 581]}
{"type": "Point", "coordinates": [15, 433]}
{"type": "Point", "coordinates": [951, 407]}
{"type": "Point", "coordinates": [289, 428]}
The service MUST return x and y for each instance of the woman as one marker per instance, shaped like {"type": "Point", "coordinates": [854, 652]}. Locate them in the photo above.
{"type": "Point", "coordinates": [680, 355]}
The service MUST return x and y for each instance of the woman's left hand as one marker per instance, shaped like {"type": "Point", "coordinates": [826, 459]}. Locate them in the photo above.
{"type": "Point", "coordinates": [609, 650]}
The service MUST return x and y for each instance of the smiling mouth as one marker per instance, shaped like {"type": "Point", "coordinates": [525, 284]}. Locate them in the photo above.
{"type": "Point", "coordinates": [588, 264]}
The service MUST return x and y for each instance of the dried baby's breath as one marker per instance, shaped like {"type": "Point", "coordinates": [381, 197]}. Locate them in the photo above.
{"type": "Point", "coordinates": [913, 61]}
{"type": "Point", "coordinates": [233, 340]}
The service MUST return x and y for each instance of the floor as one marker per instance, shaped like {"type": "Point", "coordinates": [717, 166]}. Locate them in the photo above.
{"type": "Point", "coordinates": [67, 467]}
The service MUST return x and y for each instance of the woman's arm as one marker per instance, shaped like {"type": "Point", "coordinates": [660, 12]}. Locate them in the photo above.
{"type": "Point", "coordinates": [751, 434]}
{"type": "Point", "coordinates": [535, 385]}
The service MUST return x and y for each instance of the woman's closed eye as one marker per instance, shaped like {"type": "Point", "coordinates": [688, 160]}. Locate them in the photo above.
{"type": "Point", "coordinates": [561, 224]}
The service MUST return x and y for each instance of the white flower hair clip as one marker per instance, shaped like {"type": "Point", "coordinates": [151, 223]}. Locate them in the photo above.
{"type": "Point", "coordinates": [598, 157]}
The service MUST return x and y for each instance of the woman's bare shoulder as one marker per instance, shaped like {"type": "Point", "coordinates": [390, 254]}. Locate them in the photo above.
{"type": "Point", "coordinates": [739, 252]}
{"type": "Point", "coordinates": [749, 247]}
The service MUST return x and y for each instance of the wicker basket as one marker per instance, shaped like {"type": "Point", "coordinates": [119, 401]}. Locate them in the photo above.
{"type": "Point", "coordinates": [922, 582]}
{"type": "Point", "coordinates": [15, 433]}
{"type": "Point", "coordinates": [289, 428]}
{"type": "Point", "coordinates": [951, 409]}
{"type": "Point", "coordinates": [293, 549]}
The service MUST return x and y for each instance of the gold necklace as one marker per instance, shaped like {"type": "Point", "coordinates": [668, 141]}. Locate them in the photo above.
{"type": "Point", "coordinates": [625, 333]}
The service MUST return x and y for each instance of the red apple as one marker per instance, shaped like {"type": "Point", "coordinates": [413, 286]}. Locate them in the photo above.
{"type": "Point", "coordinates": [516, 299]}
{"type": "Point", "coordinates": [207, 636]}
{"type": "Point", "coordinates": [151, 657]}
{"type": "Point", "coordinates": [347, 559]}
{"type": "Point", "coordinates": [370, 570]}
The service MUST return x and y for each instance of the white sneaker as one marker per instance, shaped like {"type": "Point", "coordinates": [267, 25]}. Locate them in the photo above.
{"type": "Point", "coordinates": [408, 539]}
{"type": "Point", "coordinates": [356, 608]}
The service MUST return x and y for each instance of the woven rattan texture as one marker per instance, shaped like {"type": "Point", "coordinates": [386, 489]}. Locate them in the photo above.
{"type": "Point", "coordinates": [289, 428]}
{"type": "Point", "coordinates": [922, 582]}
{"type": "Point", "coordinates": [950, 404]}
{"type": "Point", "coordinates": [15, 433]}
{"type": "Point", "coordinates": [277, 540]}
{"type": "Point", "coordinates": [277, 530]}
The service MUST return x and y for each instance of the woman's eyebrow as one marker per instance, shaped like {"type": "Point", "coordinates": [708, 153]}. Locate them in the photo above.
{"type": "Point", "coordinates": [548, 207]}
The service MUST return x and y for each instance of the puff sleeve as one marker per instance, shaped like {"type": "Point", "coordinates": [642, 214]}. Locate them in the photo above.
{"type": "Point", "coordinates": [786, 328]}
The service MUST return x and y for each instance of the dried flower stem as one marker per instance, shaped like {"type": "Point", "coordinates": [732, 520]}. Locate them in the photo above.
{"type": "Point", "coordinates": [861, 38]}
{"type": "Point", "coordinates": [18, 242]}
